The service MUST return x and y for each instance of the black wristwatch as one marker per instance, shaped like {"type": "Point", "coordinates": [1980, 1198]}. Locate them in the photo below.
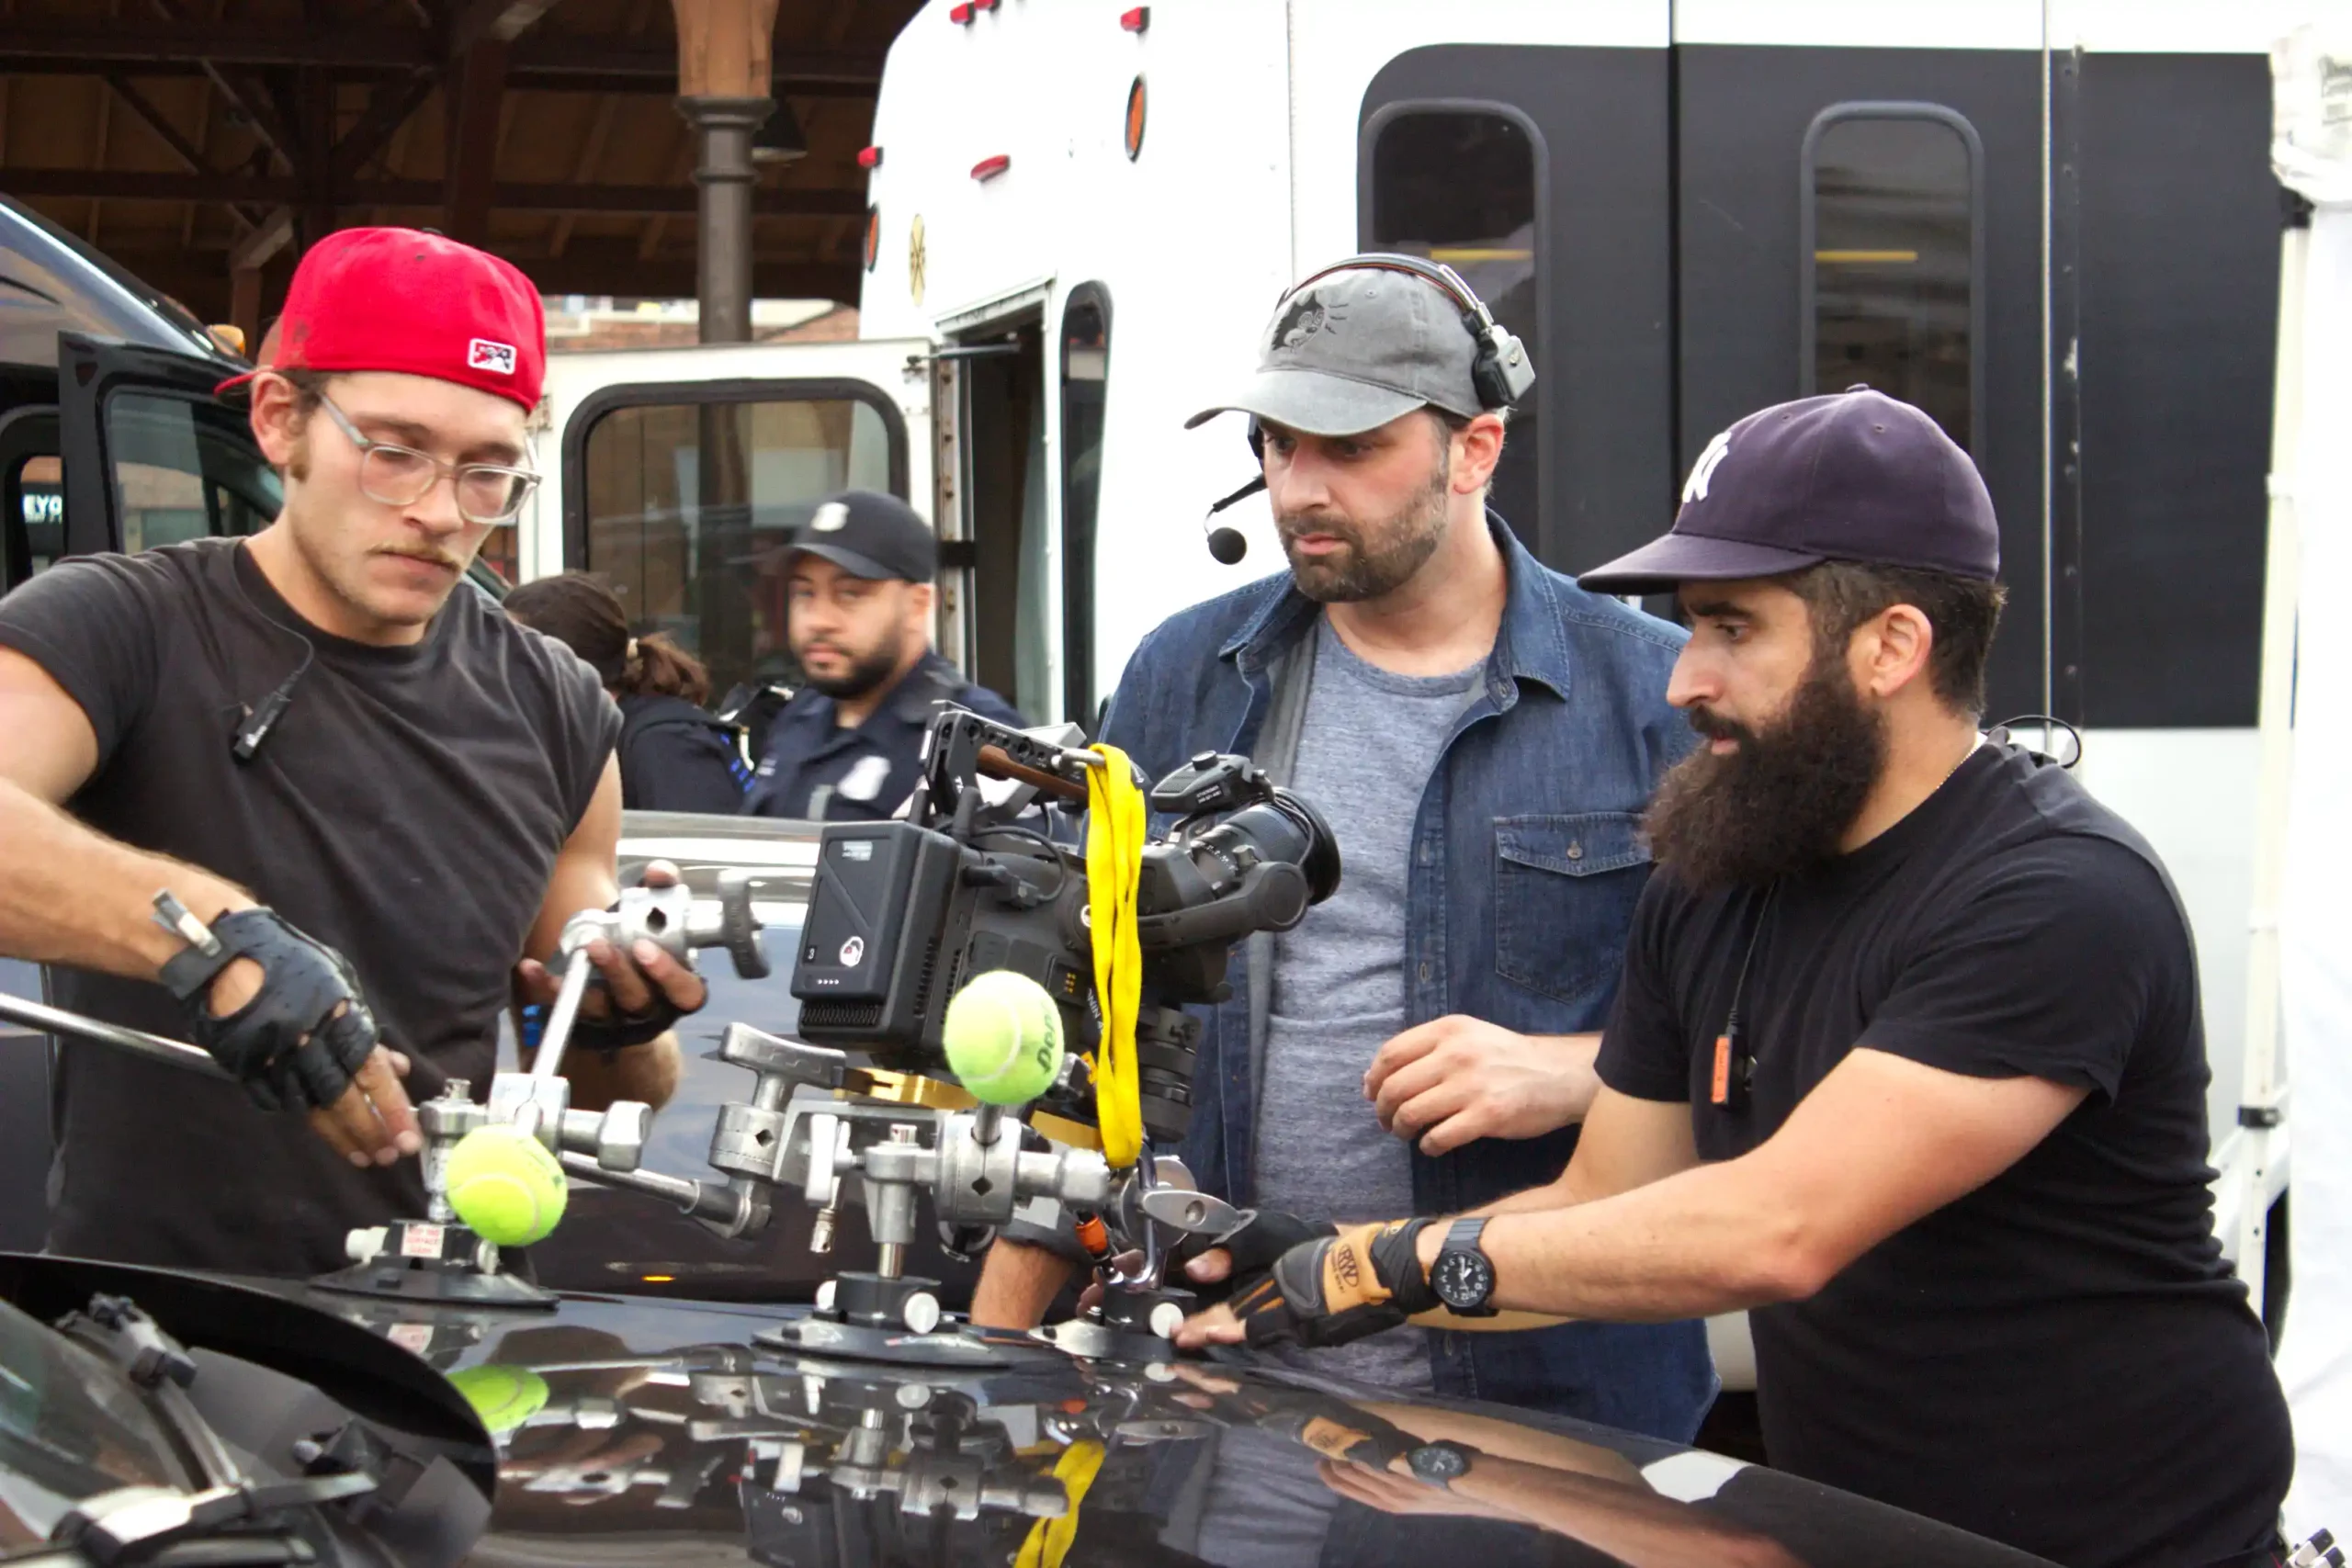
{"type": "Point", "coordinates": [1462, 1276]}
{"type": "Point", "coordinates": [1442, 1464]}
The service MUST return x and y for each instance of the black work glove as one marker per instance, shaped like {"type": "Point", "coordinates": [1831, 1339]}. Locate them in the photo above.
{"type": "Point", "coordinates": [297, 1044]}
{"type": "Point", "coordinates": [1264, 1237]}
{"type": "Point", "coordinates": [1360, 1281]}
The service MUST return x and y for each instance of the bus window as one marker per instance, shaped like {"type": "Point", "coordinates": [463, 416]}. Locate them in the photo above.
{"type": "Point", "coordinates": [1892, 299]}
{"type": "Point", "coordinates": [687, 505]}
{"type": "Point", "coordinates": [1086, 371]}
{"type": "Point", "coordinates": [1459, 187]}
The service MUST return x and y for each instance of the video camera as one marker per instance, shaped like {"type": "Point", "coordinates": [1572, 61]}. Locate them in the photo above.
{"type": "Point", "coordinates": [904, 912]}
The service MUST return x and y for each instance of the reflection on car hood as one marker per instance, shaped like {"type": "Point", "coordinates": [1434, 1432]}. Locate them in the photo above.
{"type": "Point", "coordinates": [632, 1430]}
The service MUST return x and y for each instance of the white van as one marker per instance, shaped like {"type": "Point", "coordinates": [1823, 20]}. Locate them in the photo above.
{"type": "Point", "coordinates": [2054, 228]}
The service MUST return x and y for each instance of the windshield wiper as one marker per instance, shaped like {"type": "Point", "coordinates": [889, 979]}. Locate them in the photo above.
{"type": "Point", "coordinates": [170, 1528]}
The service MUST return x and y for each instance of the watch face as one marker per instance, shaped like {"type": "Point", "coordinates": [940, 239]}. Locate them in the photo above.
{"type": "Point", "coordinates": [1438, 1462]}
{"type": "Point", "coordinates": [1463, 1278]}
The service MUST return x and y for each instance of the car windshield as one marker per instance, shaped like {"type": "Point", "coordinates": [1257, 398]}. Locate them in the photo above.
{"type": "Point", "coordinates": [71, 1427]}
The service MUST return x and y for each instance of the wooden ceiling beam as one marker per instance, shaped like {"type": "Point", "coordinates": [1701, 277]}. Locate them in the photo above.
{"type": "Point", "coordinates": [590, 266]}
{"type": "Point", "coordinates": [123, 184]}
{"type": "Point", "coordinates": [173, 44]}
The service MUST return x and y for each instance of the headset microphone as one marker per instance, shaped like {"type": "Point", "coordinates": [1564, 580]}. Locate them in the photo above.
{"type": "Point", "coordinates": [1227, 543]}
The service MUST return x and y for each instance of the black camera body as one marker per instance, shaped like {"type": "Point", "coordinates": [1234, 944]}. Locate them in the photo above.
{"type": "Point", "coordinates": [904, 912]}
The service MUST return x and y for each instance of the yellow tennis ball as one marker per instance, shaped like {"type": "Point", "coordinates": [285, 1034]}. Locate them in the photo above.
{"type": "Point", "coordinates": [1003, 1037]}
{"type": "Point", "coordinates": [506, 1184]}
{"type": "Point", "coordinates": [504, 1397]}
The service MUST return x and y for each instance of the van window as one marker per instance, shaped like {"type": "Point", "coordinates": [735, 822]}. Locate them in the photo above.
{"type": "Point", "coordinates": [688, 502]}
{"type": "Point", "coordinates": [1086, 372]}
{"type": "Point", "coordinates": [1892, 292]}
{"type": "Point", "coordinates": [183, 470]}
{"type": "Point", "coordinates": [1460, 187]}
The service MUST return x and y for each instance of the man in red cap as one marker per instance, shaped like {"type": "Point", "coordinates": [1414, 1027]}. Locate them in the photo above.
{"type": "Point", "coordinates": [245, 776]}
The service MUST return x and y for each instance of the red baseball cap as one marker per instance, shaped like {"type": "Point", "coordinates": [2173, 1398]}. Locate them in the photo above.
{"type": "Point", "coordinates": [416, 303]}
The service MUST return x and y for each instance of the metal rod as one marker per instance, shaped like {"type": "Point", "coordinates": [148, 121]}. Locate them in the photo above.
{"type": "Point", "coordinates": [677, 1189]}
{"type": "Point", "coordinates": [154, 1047]}
{"type": "Point", "coordinates": [577, 969]}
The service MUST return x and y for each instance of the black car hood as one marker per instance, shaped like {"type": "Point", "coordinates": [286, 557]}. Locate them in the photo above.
{"type": "Point", "coordinates": [631, 1429]}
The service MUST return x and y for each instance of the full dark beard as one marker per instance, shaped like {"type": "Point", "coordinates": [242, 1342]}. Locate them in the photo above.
{"type": "Point", "coordinates": [1779, 804]}
{"type": "Point", "coordinates": [863, 675]}
{"type": "Point", "coordinates": [1378, 559]}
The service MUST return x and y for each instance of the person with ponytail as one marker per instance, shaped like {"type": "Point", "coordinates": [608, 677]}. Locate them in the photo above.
{"type": "Point", "coordinates": [675, 755]}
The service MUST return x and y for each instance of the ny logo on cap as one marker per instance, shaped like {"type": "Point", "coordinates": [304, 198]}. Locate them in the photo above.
{"type": "Point", "coordinates": [484, 354]}
{"type": "Point", "coordinates": [1704, 468]}
{"type": "Point", "coordinates": [831, 518]}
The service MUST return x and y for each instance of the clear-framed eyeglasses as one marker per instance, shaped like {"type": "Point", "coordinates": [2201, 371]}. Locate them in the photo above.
{"type": "Point", "coordinates": [487, 493]}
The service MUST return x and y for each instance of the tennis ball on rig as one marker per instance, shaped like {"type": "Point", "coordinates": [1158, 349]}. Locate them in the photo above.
{"type": "Point", "coordinates": [504, 1397]}
{"type": "Point", "coordinates": [1003, 1037]}
{"type": "Point", "coordinates": [506, 1184]}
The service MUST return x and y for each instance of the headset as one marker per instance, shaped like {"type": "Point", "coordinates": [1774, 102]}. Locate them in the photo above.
{"type": "Point", "coordinates": [1500, 375]}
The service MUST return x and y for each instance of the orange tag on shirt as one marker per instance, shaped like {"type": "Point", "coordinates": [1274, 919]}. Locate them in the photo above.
{"type": "Point", "coordinates": [1720, 1092]}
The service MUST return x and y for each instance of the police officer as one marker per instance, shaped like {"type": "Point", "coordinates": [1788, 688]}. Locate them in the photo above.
{"type": "Point", "coordinates": [858, 584]}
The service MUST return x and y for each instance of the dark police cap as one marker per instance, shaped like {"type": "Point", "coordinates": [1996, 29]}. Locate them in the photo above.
{"type": "Point", "coordinates": [1852, 476]}
{"type": "Point", "coordinates": [869, 534]}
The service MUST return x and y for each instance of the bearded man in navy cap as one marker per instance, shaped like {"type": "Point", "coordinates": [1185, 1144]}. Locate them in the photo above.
{"type": "Point", "coordinates": [1906, 1059]}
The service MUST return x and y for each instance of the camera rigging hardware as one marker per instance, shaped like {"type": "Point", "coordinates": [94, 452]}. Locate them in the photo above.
{"type": "Point", "coordinates": [903, 913]}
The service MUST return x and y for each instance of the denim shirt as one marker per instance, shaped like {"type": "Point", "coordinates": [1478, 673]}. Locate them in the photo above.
{"type": "Point", "coordinates": [1525, 867]}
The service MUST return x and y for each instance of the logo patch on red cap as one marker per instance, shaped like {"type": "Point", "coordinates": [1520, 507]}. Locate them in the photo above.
{"type": "Point", "coordinates": [484, 354]}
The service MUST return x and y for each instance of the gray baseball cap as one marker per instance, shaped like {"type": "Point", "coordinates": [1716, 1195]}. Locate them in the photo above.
{"type": "Point", "coordinates": [1355, 349]}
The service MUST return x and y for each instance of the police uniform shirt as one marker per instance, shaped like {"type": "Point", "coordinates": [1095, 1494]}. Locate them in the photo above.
{"type": "Point", "coordinates": [817, 769]}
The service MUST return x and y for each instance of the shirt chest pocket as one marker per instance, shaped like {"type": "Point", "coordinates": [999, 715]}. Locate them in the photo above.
{"type": "Point", "coordinates": [1565, 890]}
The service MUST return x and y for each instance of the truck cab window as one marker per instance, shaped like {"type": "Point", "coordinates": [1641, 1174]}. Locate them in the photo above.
{"type": "Point", "coordinates": [185, 471]}
{"type": "Point", "coordinates": [688, 505]}
{"type": "Point", "coordinates": [1459, 187]}
{"type": "Point", "coordinates": [1894, 294]}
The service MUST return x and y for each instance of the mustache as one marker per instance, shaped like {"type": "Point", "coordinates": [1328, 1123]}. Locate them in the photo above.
{"type": "Point", "coordinates": [1712, 726]}
{"type": "Point", "coordinates": [1297, 527]}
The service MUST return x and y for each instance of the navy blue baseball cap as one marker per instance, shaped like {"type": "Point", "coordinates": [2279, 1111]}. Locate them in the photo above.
{"type": "Point", "coordinates": [1852, 476]}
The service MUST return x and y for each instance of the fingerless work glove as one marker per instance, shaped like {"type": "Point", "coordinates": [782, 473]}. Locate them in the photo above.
{"type": "Point", "coordinates": [1254, 1248]}
{"type": "Point", "coordinates": [297, 1044]}
{"type": "Point", "coordinates": [1359, 1282]}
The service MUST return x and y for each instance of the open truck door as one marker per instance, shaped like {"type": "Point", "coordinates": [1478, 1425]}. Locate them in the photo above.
{"type": "Point", "coordinates": [676, 475]}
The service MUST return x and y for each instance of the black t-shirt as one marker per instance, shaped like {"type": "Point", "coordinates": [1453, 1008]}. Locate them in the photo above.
{"type": "Point", "coordinates": [406, 809]}
{"type": "Point", "coordinates": [2060, 1359]}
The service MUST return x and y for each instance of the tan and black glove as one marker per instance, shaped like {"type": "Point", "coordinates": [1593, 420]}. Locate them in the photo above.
{"type": "Point", "coordinates": [1362, 1281]}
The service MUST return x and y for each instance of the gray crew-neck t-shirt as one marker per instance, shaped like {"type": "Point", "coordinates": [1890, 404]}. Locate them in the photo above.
{"type": "Point", "coordinates": [1367, 744]}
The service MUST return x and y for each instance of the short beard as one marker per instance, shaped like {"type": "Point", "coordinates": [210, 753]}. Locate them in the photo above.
{"type": "Point", "coordinates": [864, 675]}
{"type": "Point", "coordinates": [1371, 571]}
{"type": "Point", "coordinates": [1780, 803]}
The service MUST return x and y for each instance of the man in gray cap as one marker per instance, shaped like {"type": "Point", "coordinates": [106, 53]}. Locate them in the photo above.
{"type": "Point", "coordinates": [1482, 735]}
{"type": "Point", "coordinates": [1906, 1059]}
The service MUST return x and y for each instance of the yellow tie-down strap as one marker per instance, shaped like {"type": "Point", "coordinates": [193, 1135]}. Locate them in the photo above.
{"type": "Point", "coordinates": [1115, 824]}
{"type": "Point", "coordinates": [1049, 1540]}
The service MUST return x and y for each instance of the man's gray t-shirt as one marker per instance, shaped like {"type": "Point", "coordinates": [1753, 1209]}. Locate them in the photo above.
{"type": "Point", "coordinates": [1367, 744]}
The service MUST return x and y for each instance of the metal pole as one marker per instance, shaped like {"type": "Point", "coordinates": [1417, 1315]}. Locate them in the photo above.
{"type": "Point", "coordinates": [154, 1047]}
{"type": "Point", "coordinates": [724, 174]}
